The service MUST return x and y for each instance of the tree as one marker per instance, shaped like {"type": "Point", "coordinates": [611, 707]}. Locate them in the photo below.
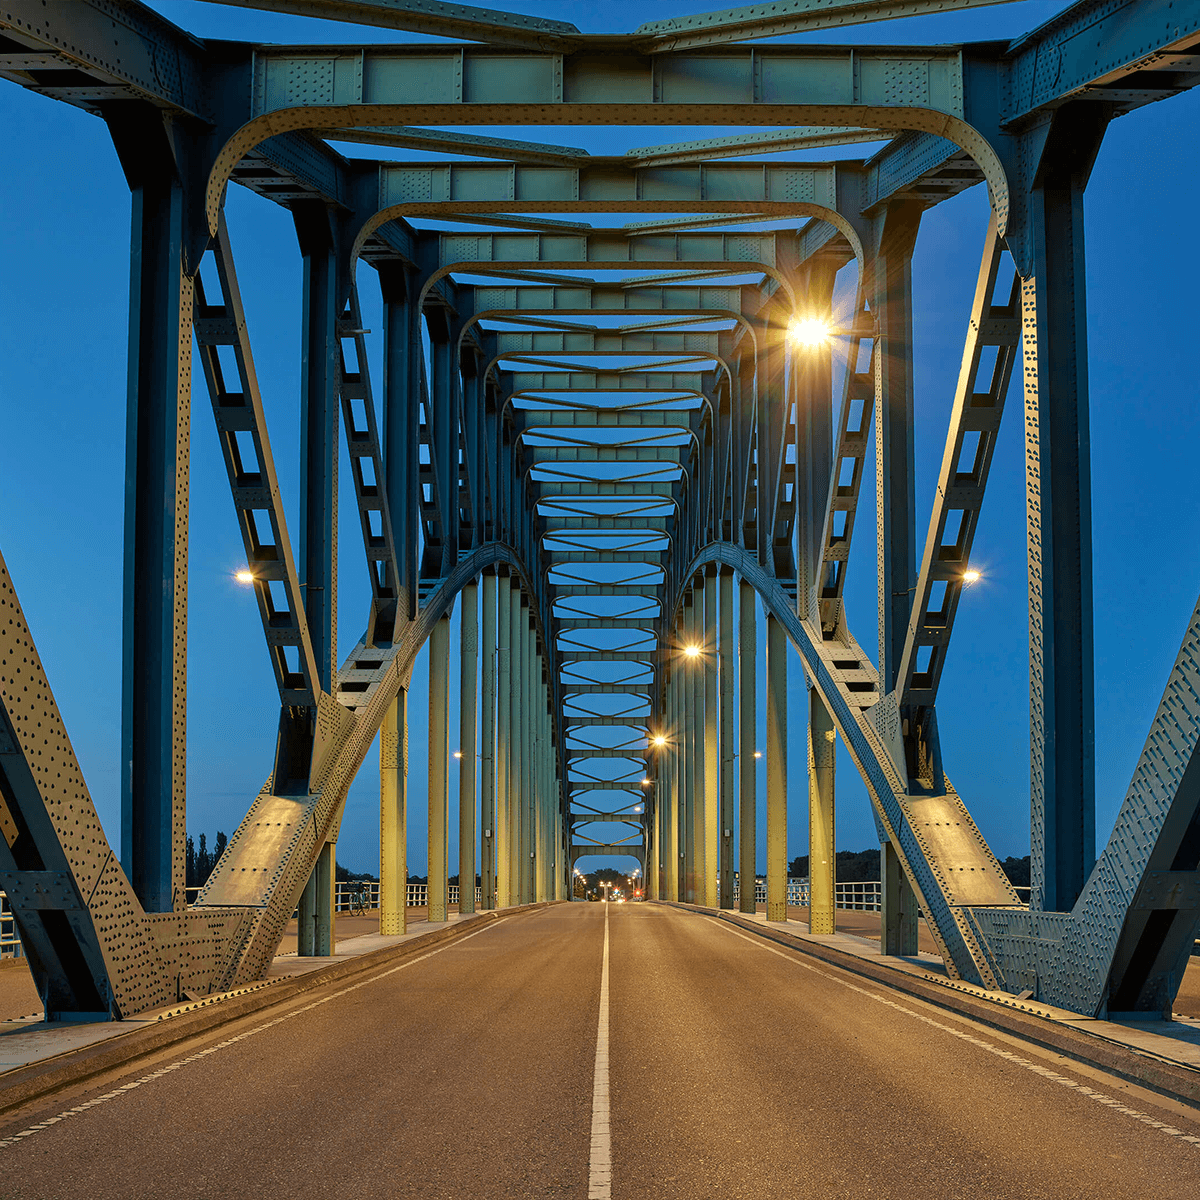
{"type": "Point", "coordinates": [1017, 870]}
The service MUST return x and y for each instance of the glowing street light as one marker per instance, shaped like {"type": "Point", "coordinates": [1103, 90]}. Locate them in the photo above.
{"type": "Point", "coordinates": [807, 331]}
{"type": "Point", "coordinates": [244, 576]}
{"type": "Point", "coordinates": [692, 651]}
{"type": "Point", "coordinates": [971, 576]}
{"type": "Point", "coordinates": [659, 741]}
{"type": "Point", "coordinates": [758, 754]}
{"type": "Point", "coordinates": [645, 783]}
{"type": "Point", "coordinates": [458, 754]}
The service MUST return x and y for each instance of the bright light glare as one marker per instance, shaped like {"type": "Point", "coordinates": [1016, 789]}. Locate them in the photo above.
{"type": "Point", "coordinates": [458, 754]}
{"type": "Point", "coordinates": [758, 754]}
{"type": "Point", "coordinates": [244, 576]}
{"type": "Point", "coordinates": [645, 783]}
{"type": "Point", "coordinates": [692, 651]}
{"type": "Point", "coordinates": [971, 576]}
{"type": "Point", "coordinates": [660, 740]}
{"type": "Point", "coordinates": [807, 331]}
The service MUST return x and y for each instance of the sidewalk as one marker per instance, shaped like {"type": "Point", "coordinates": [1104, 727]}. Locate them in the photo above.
{"type": "Point", "coordinates": [26, 1038]}
{"type": "Point", "coordinates": [1176, 1041]}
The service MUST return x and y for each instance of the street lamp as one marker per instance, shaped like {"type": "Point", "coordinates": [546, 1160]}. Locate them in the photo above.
{"type": "Point", "coordinates": [808, 331]}
{"type": "Point", "coordinates": [245, 575]}
{"type": "Point", "coordinates": [971, 576]}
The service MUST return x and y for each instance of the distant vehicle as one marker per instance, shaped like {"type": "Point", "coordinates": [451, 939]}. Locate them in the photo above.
{"type": "Point", "coordinates": [592, 896]}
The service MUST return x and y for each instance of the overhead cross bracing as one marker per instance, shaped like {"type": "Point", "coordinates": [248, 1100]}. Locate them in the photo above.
{"type": "Point", "coordinates": [591, 420]}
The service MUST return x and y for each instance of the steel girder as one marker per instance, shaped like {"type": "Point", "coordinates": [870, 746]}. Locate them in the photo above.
{"type": "Point", "coordinates": [1027, 118]}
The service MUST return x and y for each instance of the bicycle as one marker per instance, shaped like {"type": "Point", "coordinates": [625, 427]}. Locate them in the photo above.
{"type": "Point", "coordinates": [360, 903]}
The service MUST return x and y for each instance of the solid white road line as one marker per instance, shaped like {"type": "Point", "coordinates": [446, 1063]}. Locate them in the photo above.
{"type": "Point", "coordinates": [962, 1035]}
{"type": "Point", "coordinates": [600, 1166]}
{"type": "Point", "coordinates": [25, 1134]}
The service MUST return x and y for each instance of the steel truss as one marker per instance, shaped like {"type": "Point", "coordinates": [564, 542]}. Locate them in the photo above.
{"type": "Point", "coordinates": [611, 426]}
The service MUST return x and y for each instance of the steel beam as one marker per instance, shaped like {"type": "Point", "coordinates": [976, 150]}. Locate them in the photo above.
{"type": "Point", "coordinates": [726, 667]}
{"type": "Point", "coordinates": [747, 738]}
{"type": "Point", "coordinates": [393, 817]}
{"type": "Point", "coordinates": [894, 469]}
{"type": "Point", "coordinates": [468, 673]}
{"type": "Point", "coordinates": [822, 849]}
{"type": "Point", "coordinates": [320, 352]}
{"type": "Point", "coordinates": [439, 766]}
{"type": "Point", "coordinates": [1058, 482]}
{"type": "Point", "coordinates": [777, 860]}
{"type": "Point", "coordinates": [157, 439]}
{"type": "Point", "coordinates": [713, 839]}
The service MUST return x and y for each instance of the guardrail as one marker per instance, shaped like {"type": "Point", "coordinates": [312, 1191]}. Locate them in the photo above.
{"type": "Point", "coordinates": [10, 943]}
{"type": "Point", "coordinates": [855, 897]}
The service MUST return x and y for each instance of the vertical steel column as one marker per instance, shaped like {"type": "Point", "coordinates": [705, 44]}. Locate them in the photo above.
{"type": "Point", "coordinates": [697, 672]}
{"type": "Point", "coordinates": [822, 859]}
{"type": "Point", "coordinates": [712, 743]}
{"type": "Point", "coordinates": [317, 560]}
{"type": "Point", "coordinates": [401, 443]}
{"type": "Point", "coordinates": [500, 830]}
{"type": "Point", "coordinates": [687, 758]}
{"type": "Point", "coordinates": [314, 927]}
{"type": "Point", "coordinates": [777, 860]}
{"type": "Point", "coordinates": [516, 726]}
{"type": "Point", "coordinates": [1059, 492]}
{"type": "Point", "coordinates": [487, 747]}
{"type": "Point", "coordinates": [443, 422]}
{"type": "Point", "coordinates": [439, 765]}
{"type": "Point", "coordinates": [899, 918]}
{"type": "Point", "coordinates": [727, 796]}
{"type": "Point", "coordinates": [527, 750]}
{"type": "Point", "coordinates": [747, 736]}
{"type": "Point", "coordinates": [393, 816]}
{"type": "Point", "coordinates": [157, 436]}
{"type": "Point", "coordinates": [468, 668]}
{"type": "Point", "coordinates": [894, 476]}
{"type": "Point", "coordinates": [674, 748]}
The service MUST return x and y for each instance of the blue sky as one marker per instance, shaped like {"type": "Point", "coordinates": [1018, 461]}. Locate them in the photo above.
{"type": "Point", "coordinates": [64, 283]}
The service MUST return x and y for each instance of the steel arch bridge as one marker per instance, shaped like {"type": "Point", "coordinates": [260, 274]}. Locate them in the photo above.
{"type": "Point", "coordinates": [586, 463]}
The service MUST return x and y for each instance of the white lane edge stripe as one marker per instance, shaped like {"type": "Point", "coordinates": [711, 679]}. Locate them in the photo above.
{"type": "Point", "coordinates": [17, 1138]}
{"type": "Point", "coordinates": [999, 1051]}
{"type": "Point", "coordinates": [600, 1162]}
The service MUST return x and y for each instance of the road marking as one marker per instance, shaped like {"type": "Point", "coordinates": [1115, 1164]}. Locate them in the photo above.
{"type": "Point", "coordinates": [962, 1035]}
{"type": "Point", "coordinates": [600, 1165]}
{"type": "Point", "coordinates": [17, 1138]}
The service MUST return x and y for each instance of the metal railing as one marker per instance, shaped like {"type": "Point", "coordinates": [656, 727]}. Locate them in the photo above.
{"type": "Point", "coordinates": [10, 942]}
{"type": "Point", "coordinates": [854, 897]}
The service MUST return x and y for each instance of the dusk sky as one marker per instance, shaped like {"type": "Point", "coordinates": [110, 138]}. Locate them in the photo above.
{"type": "Point", "coordinates": [64, 281]}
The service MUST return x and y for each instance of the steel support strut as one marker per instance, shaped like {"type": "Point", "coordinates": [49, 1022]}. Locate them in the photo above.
{"type": "Point", "coordinates": [1058, 483]}
{"type": "Point", "coordinates": [319, 391]}
{"type": "Point", "coordinates": [777, 862]}
{"type": "Point", "coordinates": [894, 470]}
{"type": "Point", "coordinates": [158, 421]}
{"type": "Point", "coordinates": [393, 816]}
{"type": "Point", "coordinates": [439, 765]}
{"type": "Point", "coordinates": [728, 735]}
{"type": "Point", "coordinates": [747, 737]}
{"type": "Point", "coordinates": [468, 671]}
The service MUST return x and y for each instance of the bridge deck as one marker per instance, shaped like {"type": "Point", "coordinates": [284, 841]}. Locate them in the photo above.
{"type": "Point", "coordinates": [738, 1068]}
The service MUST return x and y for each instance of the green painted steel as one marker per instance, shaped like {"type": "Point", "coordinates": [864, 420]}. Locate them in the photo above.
{"type": "Point", "coordinates": [612, 419]}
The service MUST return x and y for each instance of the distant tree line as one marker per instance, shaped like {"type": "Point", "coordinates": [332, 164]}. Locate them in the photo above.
{"type": "Point", "coordinates": [200, 863]}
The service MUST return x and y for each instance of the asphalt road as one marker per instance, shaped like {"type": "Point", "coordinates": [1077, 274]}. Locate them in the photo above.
{"type": "Point", "coordinates": [737, 1069]}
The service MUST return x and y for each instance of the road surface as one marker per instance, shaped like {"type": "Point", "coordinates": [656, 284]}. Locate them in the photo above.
{"type": "Point", "coordinates": [735, 1068]}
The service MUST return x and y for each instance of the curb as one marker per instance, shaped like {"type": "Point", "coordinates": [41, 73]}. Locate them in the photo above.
{"type": "Point", "coordinates": [24, 1085]}
{"type": "Point", "coordinates": [1170, 1079]}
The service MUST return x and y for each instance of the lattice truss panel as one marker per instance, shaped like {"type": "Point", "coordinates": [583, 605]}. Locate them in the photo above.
{"type": "Point", "coordinates": [612, 418]}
